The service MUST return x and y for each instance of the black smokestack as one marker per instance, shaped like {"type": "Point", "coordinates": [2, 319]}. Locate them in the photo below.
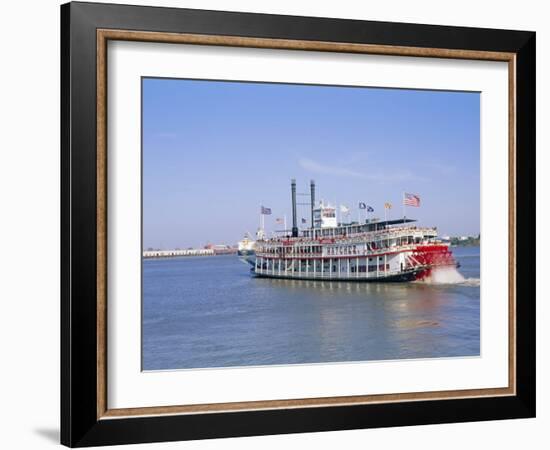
{"type": "Point", "coordinates": [294, 225]}
{"type": "Point", "coordinates": [312, 186]}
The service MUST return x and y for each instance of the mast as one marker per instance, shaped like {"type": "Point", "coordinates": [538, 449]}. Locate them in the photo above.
{"type": "Point", "coordinates": [293, 192]}
{"type": "Point", "coordinates": [312, 189]}
{"type": "Point", "coordinates": [403, 203]}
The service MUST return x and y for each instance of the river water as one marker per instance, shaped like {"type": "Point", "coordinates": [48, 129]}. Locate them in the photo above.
{"type": "Point", "coordinates": [201, 312]}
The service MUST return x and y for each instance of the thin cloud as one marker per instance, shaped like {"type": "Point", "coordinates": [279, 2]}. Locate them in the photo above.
{"type": "Point", "coordinates": [316, 167]}
{"type": "Point", "coordinates": [377, 176]}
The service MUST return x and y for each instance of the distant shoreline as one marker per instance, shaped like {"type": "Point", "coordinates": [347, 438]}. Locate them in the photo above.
{"type": "Point", "coordinates": [469, 242]}
{"type": "Point", "coordinates": [208, 255]}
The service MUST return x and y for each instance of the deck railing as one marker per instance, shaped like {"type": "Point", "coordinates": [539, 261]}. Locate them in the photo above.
{"type": "Point", "coordinates": [393, 233]}
{"type": "Point", "coordinates": [358, 253]}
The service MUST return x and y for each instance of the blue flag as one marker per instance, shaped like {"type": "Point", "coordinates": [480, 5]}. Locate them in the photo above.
{"type": "Point", "coordinates": [266, 211]}
{"type": "Point", "coordinates": [370, 209]}
{"type": "Point", "coordinates": [362, 205]}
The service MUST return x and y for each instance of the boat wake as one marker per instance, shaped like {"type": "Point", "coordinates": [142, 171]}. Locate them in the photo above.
{"type": "Point", "coordinates": [473, 282]}
{"type": "Point", "coordinates": [449, 275]}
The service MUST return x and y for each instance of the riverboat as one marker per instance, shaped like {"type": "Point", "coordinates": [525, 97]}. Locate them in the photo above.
{"type": "Point", "coordinates": [375, 250]}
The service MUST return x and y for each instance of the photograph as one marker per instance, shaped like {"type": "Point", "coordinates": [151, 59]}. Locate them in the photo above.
{"type": "Point", "coordinates": [292, 224]}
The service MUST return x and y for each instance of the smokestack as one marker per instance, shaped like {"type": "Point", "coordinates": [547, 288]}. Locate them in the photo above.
{"type": "Point", "coordinates": [294, 225]}
{"type": "Point", "coordinates": [312, 186]}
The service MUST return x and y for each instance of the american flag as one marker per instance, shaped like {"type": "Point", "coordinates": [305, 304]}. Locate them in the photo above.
{"type": "Point", "coordinates": [266, 211]}
{"type": "Point", "coordinates": [411, 200]}
{"type": "Point", "coordinates": [278, 220]}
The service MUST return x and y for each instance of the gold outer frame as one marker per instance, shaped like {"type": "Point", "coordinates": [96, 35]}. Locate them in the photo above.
{"type": "Point", "coordinates": [104, 35]}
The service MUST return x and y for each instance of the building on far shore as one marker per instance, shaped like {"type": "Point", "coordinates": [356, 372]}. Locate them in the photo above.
{"type": "Point", "coordinates": [221, 249]}
{"type": "Point", "coordinates": [178, 252]}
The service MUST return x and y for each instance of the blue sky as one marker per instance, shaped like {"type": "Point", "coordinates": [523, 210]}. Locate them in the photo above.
{"type": "Point", "coordinates": [214, 151]}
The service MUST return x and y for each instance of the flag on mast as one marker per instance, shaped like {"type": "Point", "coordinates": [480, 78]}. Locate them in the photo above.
{"type": "Point", "coordinates": [266, 211]}
{"type": "Point", "coordinates": [387, 206]}
{"type": "Point", "coordinates": [362, 205]}
{"type": "Point", "coordinates": [279, 220]}
{"type": "Point", "coordinates": [411, 200]}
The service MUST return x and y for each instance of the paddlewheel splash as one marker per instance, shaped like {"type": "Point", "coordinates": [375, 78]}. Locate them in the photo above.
{"type": "Point", "coordinates": [430, 257]}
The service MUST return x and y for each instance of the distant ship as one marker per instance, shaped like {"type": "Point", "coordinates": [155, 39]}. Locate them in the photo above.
{"type": "Point", "coordinates": [389, 250]}
{"type": "Point", "coordinates": [245, 247]}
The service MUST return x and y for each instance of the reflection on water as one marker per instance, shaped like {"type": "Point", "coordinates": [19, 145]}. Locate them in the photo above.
{"type": "Point", "coordinates": [189, 321]}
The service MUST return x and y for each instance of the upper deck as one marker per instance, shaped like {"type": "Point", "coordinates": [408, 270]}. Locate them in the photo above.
{"type": "Point", "coordinates": [354, 228]}
{"type": "Point", "coordinates": [352, 239]}
{"type": "Point", "coordinates": [356, 232]}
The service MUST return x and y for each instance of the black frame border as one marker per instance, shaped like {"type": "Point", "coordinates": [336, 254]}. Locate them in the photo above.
{"type": "Point", "coordinates": [79, 423]}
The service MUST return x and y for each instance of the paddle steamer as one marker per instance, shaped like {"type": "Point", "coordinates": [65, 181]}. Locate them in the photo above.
{"type": "Point", "coordinates": [388, 250]}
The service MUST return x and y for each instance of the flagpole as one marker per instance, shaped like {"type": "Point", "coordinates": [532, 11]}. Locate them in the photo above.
{"type": "Point", "coordinates": [403, 202]}
{"type": "Point", "coordinates": [285, 222]}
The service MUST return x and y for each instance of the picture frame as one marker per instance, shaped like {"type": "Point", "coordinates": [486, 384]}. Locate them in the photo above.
{"type": "Point", "coordinates": [86, 418]}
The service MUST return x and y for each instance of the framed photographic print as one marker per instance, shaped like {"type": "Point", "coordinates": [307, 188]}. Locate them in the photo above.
{"type": "Point", "coordinates": [276, 224]}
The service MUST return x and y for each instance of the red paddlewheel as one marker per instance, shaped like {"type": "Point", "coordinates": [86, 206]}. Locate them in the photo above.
{"type": "Point", "coordinates": [432, 256]}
